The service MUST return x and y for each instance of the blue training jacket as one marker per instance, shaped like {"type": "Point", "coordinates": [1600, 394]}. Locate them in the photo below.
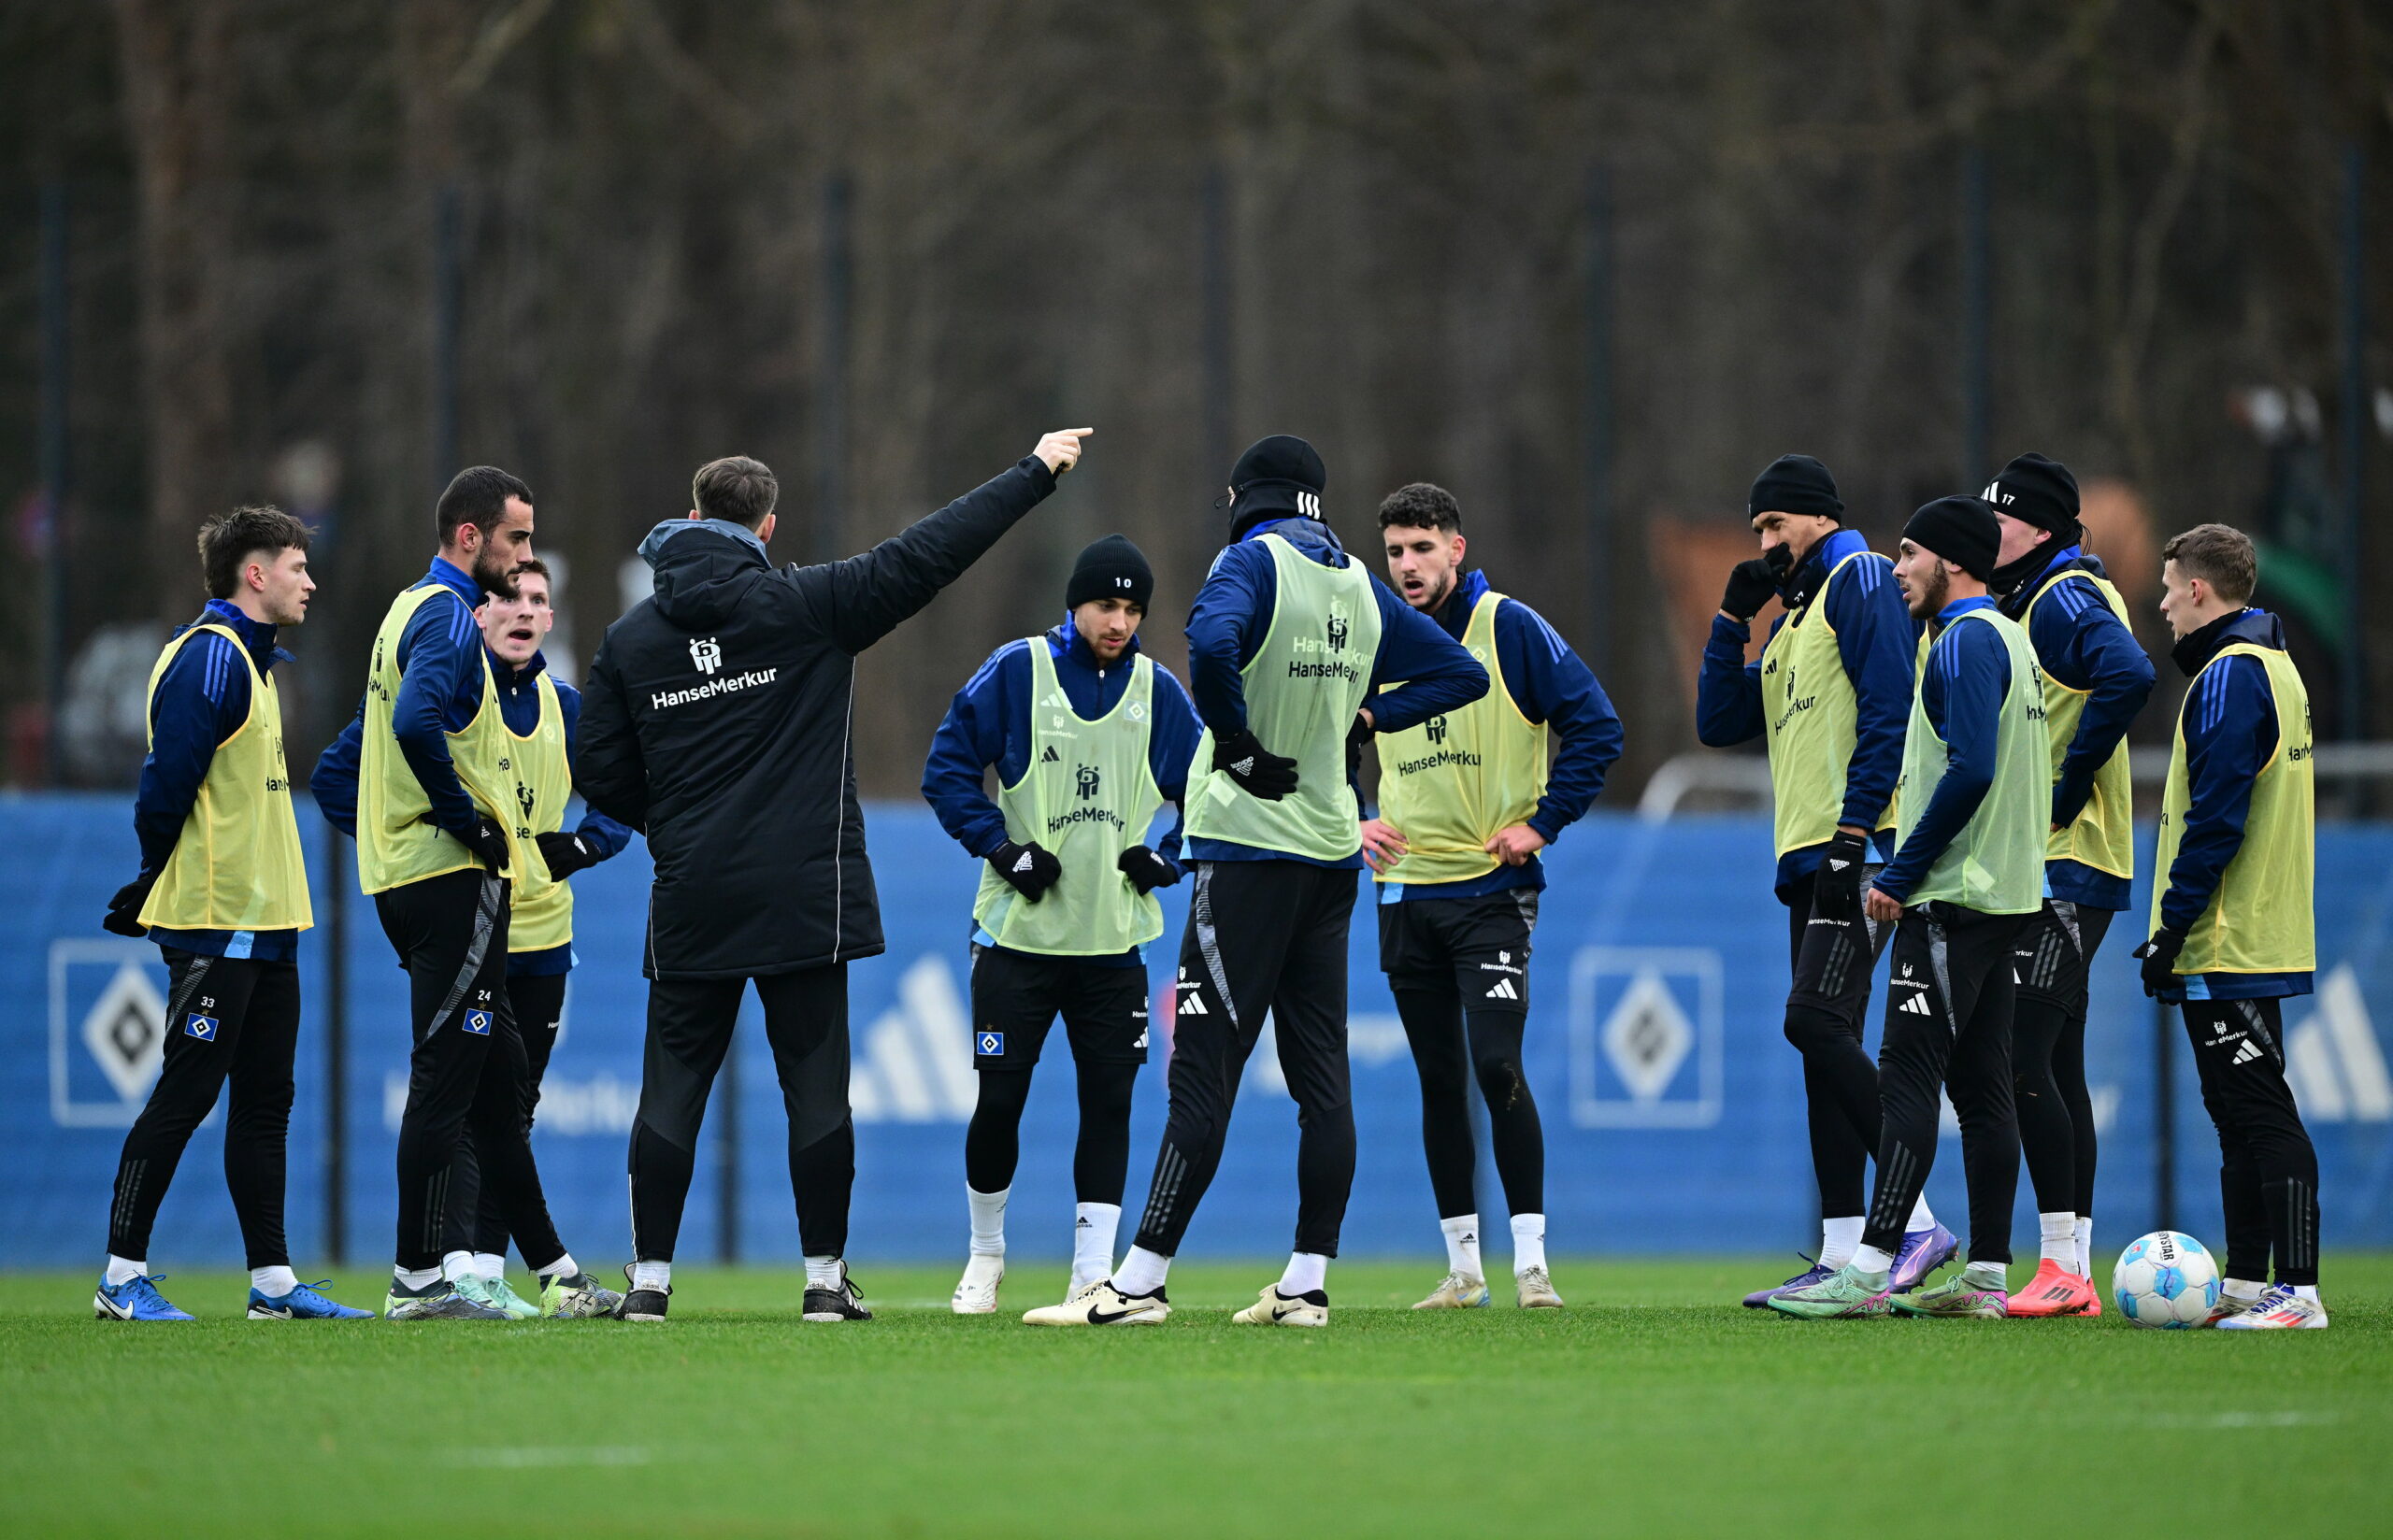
{"type": "Point", "coordinates": [1232, 615]}
{"type": "Point", "coordinates": [1877, 641]}
{"type": "Point", "coordinates": [2230, 726]}
{"type": "Point", "coordinates": [334, 782]}
{"type": "Point", "coordinates": [1967, 679]}
{"type": "Point", "coordinates": [201, 699]}
{"type": "Point", "coordinates": [1549, 684]}
{"type": "Point", "coordinates": [988, 723]}
{"type": "Point", "coordinates": [2079, 642]}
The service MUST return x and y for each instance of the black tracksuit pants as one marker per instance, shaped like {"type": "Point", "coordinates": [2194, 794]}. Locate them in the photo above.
{"type": "Point", "coordinates": [1832, 960]}
{"type": "Point", "coordinates": [2268, 1175]}
{"type": "Point", "coordinates": [468, 1070]}
{"type": "Point", "coordinates": [2053, 958]}
{"type": "Point", "coordinates": [1262, 937]}
{"type": "Point", "coordinates": [1016, 997]}
{"type": "Point", "coordinates": [690, 1022]}
{"type": "Point", "coordinates": [1948, 1026]}
{"type": "Point", "coordinates": [227, 1019]}
{"type": "Point", "coordinates": [539, 1004]}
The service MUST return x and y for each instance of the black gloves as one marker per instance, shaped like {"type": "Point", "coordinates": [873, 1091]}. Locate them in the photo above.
{"type": "Point", "coordinates": [2160, 956]}
{"type": "Point", "coordinates": [1836, 891]}
{"type": "Point", "coordinates": [1147, 869]}
{"type": "Point", "coordinates": [1258, 770]}
{"type": "Point", "coordinates": [1030, 868]}
{"type": "Point", "coordinates": [488, 841]}
{"type": "Point", "coordinates": [1751, 585]}
{"type": "Point", "coordinates": [124, 910]}
{"type": "Point", "coordinates": [564, 853]}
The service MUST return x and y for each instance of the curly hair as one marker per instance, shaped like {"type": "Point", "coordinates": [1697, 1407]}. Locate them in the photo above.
{"type": "Point", "coordinates": [1421, 504]}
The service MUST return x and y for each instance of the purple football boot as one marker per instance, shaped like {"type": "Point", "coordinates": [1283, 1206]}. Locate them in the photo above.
{"type": "Point", "coordinates": [1817, 1273]}
{"type": "Point", "coordinates": [1923, 1252]}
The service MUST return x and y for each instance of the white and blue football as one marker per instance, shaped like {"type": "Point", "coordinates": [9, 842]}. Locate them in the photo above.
{"type": "Point", "coordinates": [2167, 1280]}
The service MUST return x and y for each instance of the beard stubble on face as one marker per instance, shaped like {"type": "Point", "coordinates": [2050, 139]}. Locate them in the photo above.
{"type": "Point", "coordinates": [1931, 593]}
{"type": "Point", "coordinates": [495, 572]}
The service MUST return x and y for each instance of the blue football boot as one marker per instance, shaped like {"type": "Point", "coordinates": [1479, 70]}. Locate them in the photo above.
{"type": "Point", "coordinates": [135, 1299]}
{"type": "Point", "coordinates": [302, 1304]}
{"type": "Point", "coordinates": [1815, 1274]}
{"type": "Point", "coordinates": [1923, 1252]}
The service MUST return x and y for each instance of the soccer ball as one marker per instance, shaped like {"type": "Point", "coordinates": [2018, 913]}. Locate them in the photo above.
{"type": "Point", "coordinates": [2167, 1280]}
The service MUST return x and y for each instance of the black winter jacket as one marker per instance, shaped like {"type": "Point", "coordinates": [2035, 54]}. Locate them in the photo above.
{"type": "Point", "coordinates": [717, 717]}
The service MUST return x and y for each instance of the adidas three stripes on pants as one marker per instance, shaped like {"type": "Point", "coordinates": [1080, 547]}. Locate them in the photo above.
{"type": "Point", "coordinates": [1949, 997]}
{"type": "Point", "coordinates": [2268, 1175]}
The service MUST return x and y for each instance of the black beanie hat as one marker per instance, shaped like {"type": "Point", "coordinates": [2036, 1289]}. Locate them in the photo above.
{"type": "Point", "coordinates": [2038, 490]}
{"type": "Point", "coordinates": [1278, 476]}
{"type": "Point", "coordinates": [1112, 568]}
{"type": "Point", "coordinates": [1794, 483]}
{"type": "Point", "coordinates": [1961, 530]}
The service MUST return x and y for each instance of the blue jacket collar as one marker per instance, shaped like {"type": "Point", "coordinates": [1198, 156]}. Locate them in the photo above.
{"type": "Point", "coordinates": [1959, 608]}
{"type": "Point", "coordinates": [1067, 641]}
{"type": "Point", "coordinates": [511, 677]}
{"type": "Point", "coordinates": [1453, 616]}
{"type": "Point", "coordinates": [257, 637]}
{"type": "Point", "coordinates": [2193, 653]}
{"type": "Point", "coordinates": [1811, 573]}
{"type": "Point", "coordinates": [1309, 535]}
{"type": "Point", "coordinates": [456, 581]}
{"type": "Point", "coordinates": [655, 539]}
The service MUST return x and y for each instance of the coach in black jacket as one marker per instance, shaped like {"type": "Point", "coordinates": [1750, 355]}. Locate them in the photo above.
{"type": "Point", "coordinates": [717, 721]}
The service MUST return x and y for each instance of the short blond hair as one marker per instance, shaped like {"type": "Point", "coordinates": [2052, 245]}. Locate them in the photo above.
{"type": "Point", "coordinates": [2220, 555]}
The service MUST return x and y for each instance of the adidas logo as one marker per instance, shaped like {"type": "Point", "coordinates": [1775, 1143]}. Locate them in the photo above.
{"type": "Point", "coordinates": [1193, 1003]}
{"type": "Point", "coordinates": [1835, 865]}
{"type": "Point", "coordinates": [907, 1069]}
{"type": "Point", "coordinates": [2246, 1054]}
{"type": "Point", "coordinates": [2334, 1061]}
{"type": "Point", "coordinates": [1242, 767]}
{"type": "Point", "coordinates": [1022, 862]}
{"type": "Point", "coordinates": [1917, 1006]}
{"type": "Point", "coordinates": [1051, 757]}
{"type": "Point", "coordinates": [1503, 991]}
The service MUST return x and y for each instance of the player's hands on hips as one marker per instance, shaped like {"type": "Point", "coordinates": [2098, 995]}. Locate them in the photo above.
{"type": "Point", "coordinates": [564, 853]}
{"type": "Point", "coordinates": [1060, 450]}
{"type": "Point", "coordinates": [1879, 906]}
{"type": "Point", "coordinates": [1032, 868]}
{"type": "Point", "coordinates": [2159, 958]}
{"type": "Point", "coordinates": [1383, 845]}
{"type": "Point", "coordinates": [1147, 869]}
{"type": "Point", "coordinates": [124, 910]}
{"type": "Point", "coordinates": [1514, 845]}
{"type": "Point", "coordinates": [1258, 772]}
{"type": "Point", "coordinates": [488, 841]}
{"type": "Point", "coordinates": [1836, 890]}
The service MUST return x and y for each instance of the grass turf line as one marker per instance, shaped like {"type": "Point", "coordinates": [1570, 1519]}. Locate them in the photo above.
{"type": "Point", "coordinates": [1654, 1405]}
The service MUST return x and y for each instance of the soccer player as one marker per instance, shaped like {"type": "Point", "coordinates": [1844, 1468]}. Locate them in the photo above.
{"type": "Point", "coordinates": [2096, 679]}
{"type": "Point", "coordinates": [716, 722]}
{"type": "Point", "coordinates": [1286, 639]}
{"type": "Point", "coordinates": [1089, 739]}
{"type": "Point", "coordinates": [1466, 804]}
{"type": "Point", "coordinates": [1968, 873]}
{"type": "Point", "coordinates": [2232, 929]}
{"type": "Point", "coordinates": [223, 892]}
{"type": "Point", "coordinates": [1831, 693]}
{"type": "Point", "coordinates": [540, 712]}
{"type": "Point", "coordinates": [439, 835]}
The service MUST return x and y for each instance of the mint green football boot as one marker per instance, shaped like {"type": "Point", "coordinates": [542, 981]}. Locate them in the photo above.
{"type": "Point", "coordinates": [507, 1299]}
{"type": "Point", "coordinates": [1956, 1299]}
{"type": "Point", "coordinates": [1843, 1295]}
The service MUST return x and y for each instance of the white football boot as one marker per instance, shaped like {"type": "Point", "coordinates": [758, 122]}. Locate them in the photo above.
{"type": "Point", "coordinates": [976, 1293]}
{"type": "Point", "coordinates": [1102, 1305]}
{"type": "Point", "coordinates": [2234, 1302]}
{"type": "Point", "coordinates": [1537, 1289]}
{"type": "Point", "coordinates": [2279, 1309]}
{"type": "Point", "coordinates": [1456, 1292]}
{"type": "Point", "coordinates": [1274, 1308]}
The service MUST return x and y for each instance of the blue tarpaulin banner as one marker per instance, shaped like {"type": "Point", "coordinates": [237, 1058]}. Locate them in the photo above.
{"type": "Point", "coordinates": [1673, 1108]}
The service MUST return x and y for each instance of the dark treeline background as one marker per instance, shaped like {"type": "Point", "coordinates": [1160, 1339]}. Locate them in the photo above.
{"type": "Point", "coordinates": [1188, 222]}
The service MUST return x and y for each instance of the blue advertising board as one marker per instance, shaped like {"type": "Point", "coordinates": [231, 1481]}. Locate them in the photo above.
{"type": "Point", "coordinates": [1673, 1109]}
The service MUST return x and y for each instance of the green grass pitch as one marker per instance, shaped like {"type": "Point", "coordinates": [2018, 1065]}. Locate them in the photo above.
{"type": "Point", "coordinates": [1652, 1407]}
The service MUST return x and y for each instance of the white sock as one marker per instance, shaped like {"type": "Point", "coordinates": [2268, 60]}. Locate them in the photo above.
{"type": "Point", "coordinates": [2086, 1245]}
{"type": "Point", "coordinates": [2058, 1239]}
{"type": "Point", "coordinates": [488, 1266]}
{"type": "Point", "coordinates": [1987, 1275]}
{"type": "Point", "coordinates": [416, 1279]}
{"type": "Point", "coordinates": [564, 1267]}
{"type": "Point", "coordinates": [1922, 1217]}
{"type": "Point", "coordinates": [1306, 1271]}
{"type": "Point", "coordinates": [1872, 1264]}
{"type": "Point", "coordinates": [2244, 1288]}
{"type": "Point", "coordinates": [2305, 1290]}
{"type": "Point", "coordinates": [988, 1221]}
{"type": "Point", "coordinates": [1142, 1271]}
{"type": "Point", "coordinates": [653, 1275]}
{"type": "Point", "coordinates": [456, 1265]}
{"type": "Point", "coordinates": [1838, 1238]}
{"type": "Point", "coordinates": [1094, 1227]}
{"type": "Point", "coordinates": [1462, 1245]}
{"type": "Point", "coordinates": [273, 1282]}
{"type": "Point", "coordinates": [1528, 1242]}
{"type": "Point", "coordinates": [121, 1271]}
{"type": "Point", "coordinates": [824, 1272]}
